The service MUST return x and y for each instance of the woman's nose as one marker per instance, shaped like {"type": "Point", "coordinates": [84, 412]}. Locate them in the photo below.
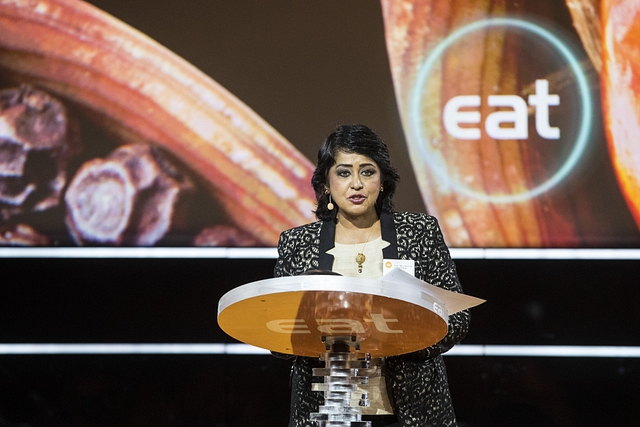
{"type": "Point", "coordinates": [355, 182]}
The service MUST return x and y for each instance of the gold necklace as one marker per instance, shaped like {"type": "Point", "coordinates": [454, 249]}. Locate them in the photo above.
{"type": "Point", "coordinates": [360, 258]}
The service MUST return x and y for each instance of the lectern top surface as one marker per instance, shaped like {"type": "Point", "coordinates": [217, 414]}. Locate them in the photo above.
{"type": "Point", "coordinates": [292, 314]}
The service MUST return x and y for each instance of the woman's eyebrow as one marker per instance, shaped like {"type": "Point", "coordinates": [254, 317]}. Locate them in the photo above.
{"type": "Point", "coordinates": [349, 165]}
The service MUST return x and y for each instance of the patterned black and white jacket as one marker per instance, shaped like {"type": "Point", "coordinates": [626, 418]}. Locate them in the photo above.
{"type": "Point", "coordinates": [417, 381]}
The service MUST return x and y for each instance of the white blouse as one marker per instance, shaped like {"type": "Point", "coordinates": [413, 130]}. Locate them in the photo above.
{"type": "Point", "coordinates": [344, 256]}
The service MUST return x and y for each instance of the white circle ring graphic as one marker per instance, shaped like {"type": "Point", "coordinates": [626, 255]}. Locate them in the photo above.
{"type": "Point", "coordinates": [582, 138]}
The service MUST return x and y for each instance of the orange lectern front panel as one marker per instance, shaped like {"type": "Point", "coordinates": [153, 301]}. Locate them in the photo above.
{"type": "Point", "coordinates": [292, 314]}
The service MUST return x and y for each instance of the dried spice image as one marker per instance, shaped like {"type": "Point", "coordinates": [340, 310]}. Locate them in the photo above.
{"type": "Point", "coordinates": [139, 91]}
{"type": "Point", "coordinates": [37, 142]}
{"type": "Point", "coordinates": [21, 235]}
{"type": "Point", "coordinates": [133, 197]}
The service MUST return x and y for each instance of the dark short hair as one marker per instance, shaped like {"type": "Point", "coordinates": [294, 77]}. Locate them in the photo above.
{"type": "Point", "coordinates": [359, 139]}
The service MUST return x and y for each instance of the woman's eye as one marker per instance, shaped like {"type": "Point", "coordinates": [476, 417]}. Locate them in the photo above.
{"type": "Point", "coordinates": [368, 172]}
{"type": "Point", "coordinates": [343, 173]}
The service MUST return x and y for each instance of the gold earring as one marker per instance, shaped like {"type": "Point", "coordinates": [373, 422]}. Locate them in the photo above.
{"type": "Point", "coordinates": [330, 204]}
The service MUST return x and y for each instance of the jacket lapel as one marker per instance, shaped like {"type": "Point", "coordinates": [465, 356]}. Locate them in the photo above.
{"type": "Point", "coordinates": [388, 230]}
{"type": "Point", "coordinates": [327, 238]}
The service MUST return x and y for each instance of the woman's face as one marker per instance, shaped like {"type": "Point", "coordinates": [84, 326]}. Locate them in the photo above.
{"type": "Point", "coordinates": [354, 182]}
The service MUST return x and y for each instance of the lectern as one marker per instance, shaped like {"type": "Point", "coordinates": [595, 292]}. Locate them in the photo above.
{"type": "Point", "coordinates": [343, 320]}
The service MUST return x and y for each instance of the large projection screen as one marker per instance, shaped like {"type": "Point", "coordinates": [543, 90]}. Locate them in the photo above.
{"type": "Point", "coordinates": [146, 123]}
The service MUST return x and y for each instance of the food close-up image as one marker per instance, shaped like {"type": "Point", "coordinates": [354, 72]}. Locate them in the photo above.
{"type": "Point", "coordinates": [153, 107]}
{"type": "Point", "coordinates": [532, 175]}
{"type": "Point", "coordinates": [514, 124]}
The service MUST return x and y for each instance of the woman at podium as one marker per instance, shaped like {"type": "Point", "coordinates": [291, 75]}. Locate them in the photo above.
{"type": "Point", "coordinates": [357, 229]}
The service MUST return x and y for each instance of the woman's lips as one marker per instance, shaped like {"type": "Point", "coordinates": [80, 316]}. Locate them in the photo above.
{"type": "Point", "coordinates": [357, 199]}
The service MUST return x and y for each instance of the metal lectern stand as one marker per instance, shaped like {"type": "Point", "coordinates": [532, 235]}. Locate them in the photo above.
{"type": "Point", "coordinates": [342, 373]}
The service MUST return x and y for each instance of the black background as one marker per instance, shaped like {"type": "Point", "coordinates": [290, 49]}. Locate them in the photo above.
{"type": "Point", "coordinates": [175, 301]}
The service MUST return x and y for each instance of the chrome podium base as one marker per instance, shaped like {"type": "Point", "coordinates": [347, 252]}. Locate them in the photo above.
{"type": "Point", "coordinates": [344, 370]}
